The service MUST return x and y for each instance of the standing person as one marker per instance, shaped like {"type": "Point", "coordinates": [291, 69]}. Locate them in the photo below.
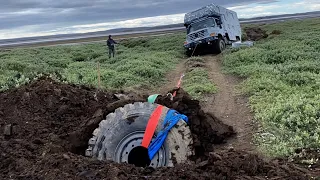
{"type": "Point", "coordinates": [110, 44]}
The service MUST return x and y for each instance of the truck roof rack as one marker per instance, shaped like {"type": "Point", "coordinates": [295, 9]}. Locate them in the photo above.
{"type": "Point", "coordinates": [210, 10]}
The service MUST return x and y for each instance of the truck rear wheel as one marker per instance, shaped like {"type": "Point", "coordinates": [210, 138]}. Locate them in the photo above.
{"type": "Point", "coordinates": [220, 45]}
{"type": "Point", "coordinates": [118, 138]}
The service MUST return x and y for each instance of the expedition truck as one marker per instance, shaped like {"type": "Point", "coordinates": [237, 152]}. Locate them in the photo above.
{"type": "Point", "coordinates": [211, 26]}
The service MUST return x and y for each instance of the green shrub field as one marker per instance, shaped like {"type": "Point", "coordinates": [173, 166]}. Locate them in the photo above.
{"type": "Point", "coordinates": [283, 83]}
{"type": "Point", "coordinates": [138, 62]}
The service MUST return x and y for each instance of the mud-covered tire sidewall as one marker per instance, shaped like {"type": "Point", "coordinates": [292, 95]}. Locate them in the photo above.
{"type": "Point", "coordinates": [220, 45]}
{"type": "Point", "coordinates": [132, 118]}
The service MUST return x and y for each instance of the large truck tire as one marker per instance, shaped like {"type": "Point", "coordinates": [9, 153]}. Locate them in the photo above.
{"type": "Point", "coordinates": [220, 45]}
{"type": "Point", "coordinates": [121, 133]}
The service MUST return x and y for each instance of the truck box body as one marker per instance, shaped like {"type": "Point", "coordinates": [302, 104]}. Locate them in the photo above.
{"type": "Point", "coordinates": [210, 23]}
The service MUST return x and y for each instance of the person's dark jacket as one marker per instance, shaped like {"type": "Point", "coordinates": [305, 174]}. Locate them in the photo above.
{"type": "Point", "coordinates": [111, 43]}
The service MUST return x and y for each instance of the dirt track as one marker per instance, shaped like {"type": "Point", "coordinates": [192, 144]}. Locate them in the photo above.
{"type": "Point", "coordinates": [228, 106]}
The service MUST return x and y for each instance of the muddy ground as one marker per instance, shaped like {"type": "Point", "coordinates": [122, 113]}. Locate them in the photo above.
{"type": "Point", "coordinates": [52, 122]}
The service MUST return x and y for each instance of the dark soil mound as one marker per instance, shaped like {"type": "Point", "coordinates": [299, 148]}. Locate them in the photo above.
{"type": "Point", "coordinates": [204, 135]}
{"type": "Point", "coordinates": [225, 165]}
{"type": "Point", "coordinates": [308, 156]}
{"type": "Point", "coordinates": [52, 122]}
{"type": "Point", "coordinates": [255, 33]}
{"type": "Point", "coordinates": [64, 115]}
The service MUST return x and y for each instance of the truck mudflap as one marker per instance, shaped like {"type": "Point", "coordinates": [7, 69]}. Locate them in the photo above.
{"type": "Point", "coordinates": [201, 41]}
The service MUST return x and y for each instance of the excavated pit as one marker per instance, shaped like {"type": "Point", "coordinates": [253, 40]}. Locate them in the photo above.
{"type": "Point", "coordinates": [45, 127]}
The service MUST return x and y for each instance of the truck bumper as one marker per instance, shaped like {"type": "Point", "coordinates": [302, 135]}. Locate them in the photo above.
{"type": "Point", "coordinates": [192, 45]}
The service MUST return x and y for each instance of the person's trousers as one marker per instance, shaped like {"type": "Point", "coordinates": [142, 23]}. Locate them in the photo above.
{"type": "Point", "coordinates": [111, 52]}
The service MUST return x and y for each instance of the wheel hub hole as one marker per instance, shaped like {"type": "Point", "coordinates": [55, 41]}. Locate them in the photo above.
{"type": "Point", "coordinates": [139, 157]}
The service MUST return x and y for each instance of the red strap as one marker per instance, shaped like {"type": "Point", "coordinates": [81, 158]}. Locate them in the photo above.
{"type": "Point", "coordinates": [151, 127]}
{"type": "Point", "coordinates": [178, 85]}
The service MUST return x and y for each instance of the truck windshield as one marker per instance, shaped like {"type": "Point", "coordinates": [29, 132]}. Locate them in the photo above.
{"type": "Point", "coordinates": [201, 25]}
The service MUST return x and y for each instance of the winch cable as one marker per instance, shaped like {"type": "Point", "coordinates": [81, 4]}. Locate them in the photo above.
{"type": "Point", "coordinates": [194, 50]}
{"type": "Point", "coordinates": [178, 85]}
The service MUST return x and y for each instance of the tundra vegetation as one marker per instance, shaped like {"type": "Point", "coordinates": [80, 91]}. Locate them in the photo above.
{"type": "Point", "coordinates": [283, 83]}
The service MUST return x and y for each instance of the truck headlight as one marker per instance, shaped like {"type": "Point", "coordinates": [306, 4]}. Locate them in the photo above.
{"type": "Point", "coordinates": [213, 34]}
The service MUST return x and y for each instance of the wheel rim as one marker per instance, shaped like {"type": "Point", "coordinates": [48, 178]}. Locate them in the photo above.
{"type": "Point", "coordinates": [133, 140]}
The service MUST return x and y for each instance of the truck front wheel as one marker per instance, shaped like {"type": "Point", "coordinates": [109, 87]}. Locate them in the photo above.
{"type": "Point", "coordinates": [189, 52]}
{"type": "Point", "coordinates": [220, 45]}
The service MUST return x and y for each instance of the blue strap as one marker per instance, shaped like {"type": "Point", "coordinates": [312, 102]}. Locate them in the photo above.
{"type": "Point", "coordinates": [170, 121]}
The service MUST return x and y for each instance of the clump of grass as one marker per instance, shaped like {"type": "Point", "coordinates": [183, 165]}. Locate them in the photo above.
{"type": "Point", "coordinates": [284, 85]}
{"type": "Point", "coordinates": [196, 81]}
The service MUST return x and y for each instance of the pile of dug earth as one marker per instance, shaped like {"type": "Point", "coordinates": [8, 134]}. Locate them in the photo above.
{"type": "Point", "coordinates": [45, 127]}
{"type": "Point", "coordinates": [255, 33]}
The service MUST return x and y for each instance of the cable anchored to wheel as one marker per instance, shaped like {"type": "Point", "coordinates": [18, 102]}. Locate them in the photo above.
{"type": "Point", "coordinates": [171, 119]}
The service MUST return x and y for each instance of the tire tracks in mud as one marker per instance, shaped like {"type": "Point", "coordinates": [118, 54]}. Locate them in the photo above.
{"type": "Point", "coordinates": [228, 106]}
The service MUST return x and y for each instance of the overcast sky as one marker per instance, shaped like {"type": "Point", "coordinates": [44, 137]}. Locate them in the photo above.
{"type": "Point", "coordinates": [23, 18]}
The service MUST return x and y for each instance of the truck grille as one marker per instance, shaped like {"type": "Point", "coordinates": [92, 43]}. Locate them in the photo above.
{"type": "Point", "coordinates": [200, 34]}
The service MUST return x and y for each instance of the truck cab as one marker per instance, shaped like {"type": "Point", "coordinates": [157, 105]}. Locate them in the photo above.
{"type": "Point", "coordinates": [203, 31]}
{"type": "Point", "coordinates": [212, 26]}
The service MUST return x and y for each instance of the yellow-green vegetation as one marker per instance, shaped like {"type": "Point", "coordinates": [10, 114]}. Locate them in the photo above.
{"type": "Point", "coordinates": [196, 80]}
{"type": "Point", "coordinates": [142, 61]}
{"type": "Point", "coordinates": [284, 85]}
